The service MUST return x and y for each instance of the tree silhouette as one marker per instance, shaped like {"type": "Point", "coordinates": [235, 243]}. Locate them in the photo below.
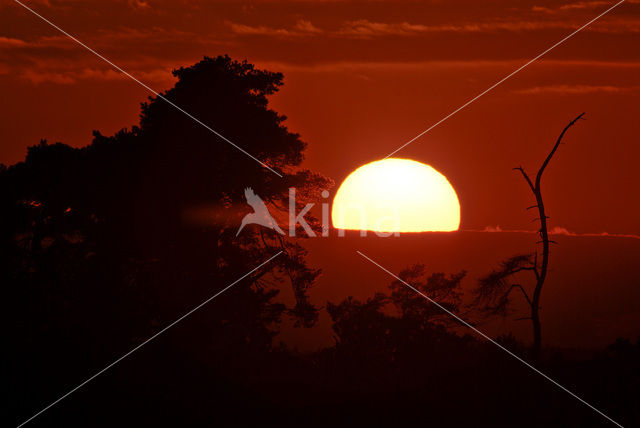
{"type": "Point", "coordinates": [494, 290]}
{"type": "Point", "coordinates": [400, 326]}
{"type": "Point", "coordinates": [102, 246]}
{"type": "Point", "coordinates": [101, 249]}
{"type": "Point", "coordinates": [442, 288]}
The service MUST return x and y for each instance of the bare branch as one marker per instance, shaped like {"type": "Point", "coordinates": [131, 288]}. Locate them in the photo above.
{"type": "Point", "coordinates": [555, 147]}
{"type": "Point", "coordinates": [526, 296]}
{"type": "Point", "coordinates": [526, 177]}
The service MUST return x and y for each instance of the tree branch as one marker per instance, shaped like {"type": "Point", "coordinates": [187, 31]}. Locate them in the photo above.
{"type": "Point", "coordinates": [526, 177]}
{"type": "Point", "coordinates": [555, 147]}
{"type": "Point", "coordinates": [526, 296]}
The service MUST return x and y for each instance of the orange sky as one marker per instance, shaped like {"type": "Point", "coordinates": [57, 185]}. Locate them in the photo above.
{"type": "Point", "coordinates": [361, 78]}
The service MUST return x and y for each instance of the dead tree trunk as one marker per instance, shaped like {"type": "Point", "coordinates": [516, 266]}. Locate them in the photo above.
{"type": "Point", "coordinates": [540, 269]}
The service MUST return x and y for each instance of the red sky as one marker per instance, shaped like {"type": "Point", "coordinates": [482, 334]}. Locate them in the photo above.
{"type": "Point", "coordinates": [362, 78]}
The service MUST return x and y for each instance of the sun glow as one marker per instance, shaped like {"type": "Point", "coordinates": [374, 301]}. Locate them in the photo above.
{"type": "Point", "coordinates": [396, 195]}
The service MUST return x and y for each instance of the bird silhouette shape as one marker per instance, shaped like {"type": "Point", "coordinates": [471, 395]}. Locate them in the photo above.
{"type": "Point", "coordinates": [260, 215]}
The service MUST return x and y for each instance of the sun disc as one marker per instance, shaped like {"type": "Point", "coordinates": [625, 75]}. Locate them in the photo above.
{"type": "Point", "coordinates": [396, 195]}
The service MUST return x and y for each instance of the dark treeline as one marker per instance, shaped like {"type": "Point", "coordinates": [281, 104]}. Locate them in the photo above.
{"type": "Point", "coordinates": [103, 246]}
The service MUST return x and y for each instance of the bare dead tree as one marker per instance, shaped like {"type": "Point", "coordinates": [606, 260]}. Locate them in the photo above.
{"type": "Point", "coordinates": [495, 289]}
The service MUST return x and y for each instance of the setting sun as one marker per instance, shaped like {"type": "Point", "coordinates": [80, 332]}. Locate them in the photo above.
{"type": "Point", "coordinates": [396, 195]}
